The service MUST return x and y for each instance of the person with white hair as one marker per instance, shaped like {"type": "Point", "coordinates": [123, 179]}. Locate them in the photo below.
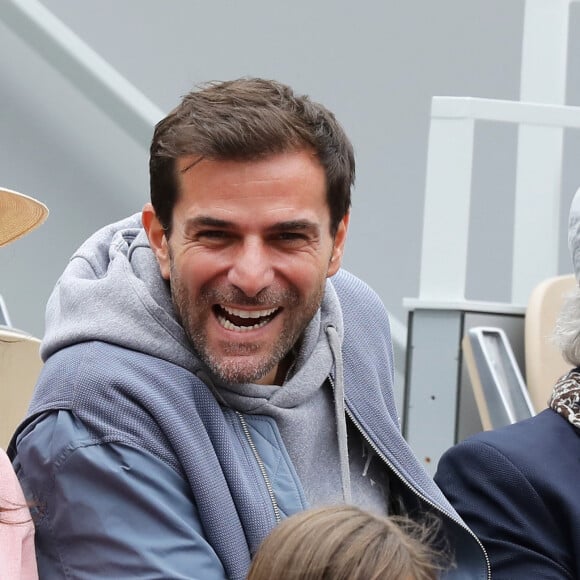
{"type": "Point", "coordinates": [516, 487]}
{"type": "Point", "coordinates": [19, 214]}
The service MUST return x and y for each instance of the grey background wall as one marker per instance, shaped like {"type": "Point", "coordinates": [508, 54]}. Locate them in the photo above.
{"type": "Point", "coordinates": [375, 64]}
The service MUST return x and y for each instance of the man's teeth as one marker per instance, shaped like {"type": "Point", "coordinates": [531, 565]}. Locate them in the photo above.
{"type": "Point", "coordinates": [262, 318]}
{"type": "Point", "coordinates": [229, 326]}
{"type": "Point", "coordinates": [249, 313]}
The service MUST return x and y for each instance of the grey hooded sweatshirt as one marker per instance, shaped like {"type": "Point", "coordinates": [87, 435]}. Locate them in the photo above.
{"type": "Point", "coordinates": [142, 464]}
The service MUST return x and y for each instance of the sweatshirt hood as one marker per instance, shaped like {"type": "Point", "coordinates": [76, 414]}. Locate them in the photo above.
{"type": "Point", "coordinates": [112, 291]}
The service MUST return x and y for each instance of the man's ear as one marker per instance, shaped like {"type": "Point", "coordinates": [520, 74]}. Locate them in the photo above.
{"type": "Point", "coordinates": [157, 238]}
{"type": "Point", "coordinates": [338, 248]}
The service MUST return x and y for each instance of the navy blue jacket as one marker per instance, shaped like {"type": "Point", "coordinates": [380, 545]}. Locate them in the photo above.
{"type": "Point", "coordinates": [517, 488]}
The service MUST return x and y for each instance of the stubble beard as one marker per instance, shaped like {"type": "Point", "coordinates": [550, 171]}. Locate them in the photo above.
{"type": "Point", "coordinates": [242, 362]}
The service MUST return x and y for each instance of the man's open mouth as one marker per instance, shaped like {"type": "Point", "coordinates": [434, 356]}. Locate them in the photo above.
{"type": "Point", "coordinates": [243, 320]}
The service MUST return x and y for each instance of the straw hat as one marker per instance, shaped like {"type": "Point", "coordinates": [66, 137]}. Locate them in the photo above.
{"type": "Point", "coordinates": [19, 214]}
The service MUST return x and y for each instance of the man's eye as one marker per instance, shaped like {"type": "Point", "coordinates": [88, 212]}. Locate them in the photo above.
{"type": "Point", "coordinates": [291, 236]}
{"type": "Point", "coordinates": [212, 235]}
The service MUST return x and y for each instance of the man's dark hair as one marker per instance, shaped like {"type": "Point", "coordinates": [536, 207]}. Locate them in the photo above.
{"type": "Point", "coordinates": [248, 119]}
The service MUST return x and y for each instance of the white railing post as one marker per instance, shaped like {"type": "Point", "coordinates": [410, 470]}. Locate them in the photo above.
{"type": "Point", "coordinates": [446, 213]}
{"type": "Point", "coordinates": [540, 149]}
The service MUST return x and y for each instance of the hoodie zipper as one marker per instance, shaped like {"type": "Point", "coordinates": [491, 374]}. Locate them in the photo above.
{"type": "Point", "coordinates": [262, 467]}
{"type": "Point", "coordinates": [409, 486]}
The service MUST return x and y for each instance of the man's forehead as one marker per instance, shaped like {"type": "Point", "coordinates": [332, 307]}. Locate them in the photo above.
{"type": "Point", "coordinates": [186, 162]}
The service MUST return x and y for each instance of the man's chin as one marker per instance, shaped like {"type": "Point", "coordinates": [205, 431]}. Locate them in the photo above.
{"type": "Point", "coordinates": [246, 369]}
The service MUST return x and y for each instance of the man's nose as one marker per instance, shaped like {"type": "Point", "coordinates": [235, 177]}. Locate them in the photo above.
{"type": "Point", "coordinates": [252, 269]}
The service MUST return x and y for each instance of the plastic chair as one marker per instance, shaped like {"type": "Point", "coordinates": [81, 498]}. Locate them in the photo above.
{"type": "Point", "coordinates": [20, 365]}
{"type": "Point", "coordinates": [499, 388]}
{"type": "Point", "coordinates": [544, 363]}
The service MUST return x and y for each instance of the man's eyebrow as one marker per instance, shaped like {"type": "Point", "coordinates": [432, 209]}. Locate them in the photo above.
{"type": "Point", "coordinates": [206, 221]}
{"type": "Point", "coordinates": [296, 225]}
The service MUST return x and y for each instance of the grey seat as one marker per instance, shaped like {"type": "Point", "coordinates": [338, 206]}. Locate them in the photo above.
{"type": "Point", "coordinates": [500, 391]}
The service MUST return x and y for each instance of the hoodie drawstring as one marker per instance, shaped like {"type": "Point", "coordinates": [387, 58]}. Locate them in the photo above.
{"type": "Point", "coordinates": [339, 411]}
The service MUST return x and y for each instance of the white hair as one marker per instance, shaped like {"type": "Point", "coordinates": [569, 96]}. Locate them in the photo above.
{"type": "Point", "coordinates": [567, 332]}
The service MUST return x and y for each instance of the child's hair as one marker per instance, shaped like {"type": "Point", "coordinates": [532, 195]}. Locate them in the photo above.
{"type": "Point", "coordinates": [347, 543]}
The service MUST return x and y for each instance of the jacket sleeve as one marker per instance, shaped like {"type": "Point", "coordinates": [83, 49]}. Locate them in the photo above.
{"type": "Point", "coordinates": [108, 510]}
{"type": "Point", "coordinates": [503, 508]}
